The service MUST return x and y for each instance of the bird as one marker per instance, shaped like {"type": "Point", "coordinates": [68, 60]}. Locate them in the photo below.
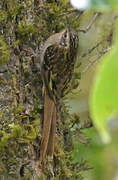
{"type": "Point", "coordinates": [57, 61]}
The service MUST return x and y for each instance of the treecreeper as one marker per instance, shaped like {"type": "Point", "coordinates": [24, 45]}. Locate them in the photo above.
{"type": "Point", "coordinates": [58, 58]}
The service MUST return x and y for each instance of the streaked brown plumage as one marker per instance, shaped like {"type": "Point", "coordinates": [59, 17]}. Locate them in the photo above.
{"type": "Point", "coordinates": [57, 65]}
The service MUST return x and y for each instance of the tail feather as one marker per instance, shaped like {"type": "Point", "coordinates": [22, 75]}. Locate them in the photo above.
{"type": "Point", "coordinates": [50, 148]}
{"type": "Point", "coordinates": [49, 112]}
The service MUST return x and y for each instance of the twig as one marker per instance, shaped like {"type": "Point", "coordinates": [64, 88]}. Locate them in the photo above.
{"type": "Point", "coordinates": [96, 60]}
{"type": "Point", "coordinates": [91, 22]}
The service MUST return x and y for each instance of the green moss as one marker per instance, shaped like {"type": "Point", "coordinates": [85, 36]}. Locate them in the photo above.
{"type": "Point", "coordinates": [16, 43]}
{"type": "Point", "coordinates": [30, 132]}
{"type": "Point", "coordinates": [16, 130]}
{"type": "Point", "coordinates": [4, 139]}
{"type": "Point", "coordinates": [3, 15]}
{"type": "Point", "coordinates": [23, 134]}
{"type": "Point", "coordinates": [24, 28]}
{"type": "Point", "coordinates": [4, 51]}
{"type": "Point", "coordinates": [14, 8]}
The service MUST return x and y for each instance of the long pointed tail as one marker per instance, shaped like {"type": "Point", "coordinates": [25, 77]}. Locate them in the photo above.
{"type": "Point", "coordinates": [48, 128]}
{"type": "Point", "coordinates": [50, 148]}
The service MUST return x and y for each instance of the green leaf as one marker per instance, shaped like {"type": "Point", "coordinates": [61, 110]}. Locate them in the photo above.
{"type": "Point", "coordinates": [104, 94]}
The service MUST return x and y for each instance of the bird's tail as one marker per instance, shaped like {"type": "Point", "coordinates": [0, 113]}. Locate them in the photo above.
{"type": "Point", "coordinates": [49, 128]}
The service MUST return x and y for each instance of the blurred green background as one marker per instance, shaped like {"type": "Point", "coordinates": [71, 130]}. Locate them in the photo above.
{"type": "Point", "coordinates": [103, 159]}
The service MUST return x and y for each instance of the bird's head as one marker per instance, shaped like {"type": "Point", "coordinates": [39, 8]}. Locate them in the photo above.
{"type": "Point", "coordinates": [68, 39]}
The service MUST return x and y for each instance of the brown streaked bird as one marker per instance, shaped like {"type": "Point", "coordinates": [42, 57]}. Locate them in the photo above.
{"type": "Point", "coordinates": [57, 65]}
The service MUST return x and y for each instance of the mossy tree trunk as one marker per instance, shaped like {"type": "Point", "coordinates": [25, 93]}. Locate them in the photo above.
{"type": "Point", "coordinates": [24, 26]}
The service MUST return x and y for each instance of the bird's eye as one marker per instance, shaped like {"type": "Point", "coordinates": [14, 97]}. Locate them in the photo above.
{"type": "Point", "coordinates": [65, 35]}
